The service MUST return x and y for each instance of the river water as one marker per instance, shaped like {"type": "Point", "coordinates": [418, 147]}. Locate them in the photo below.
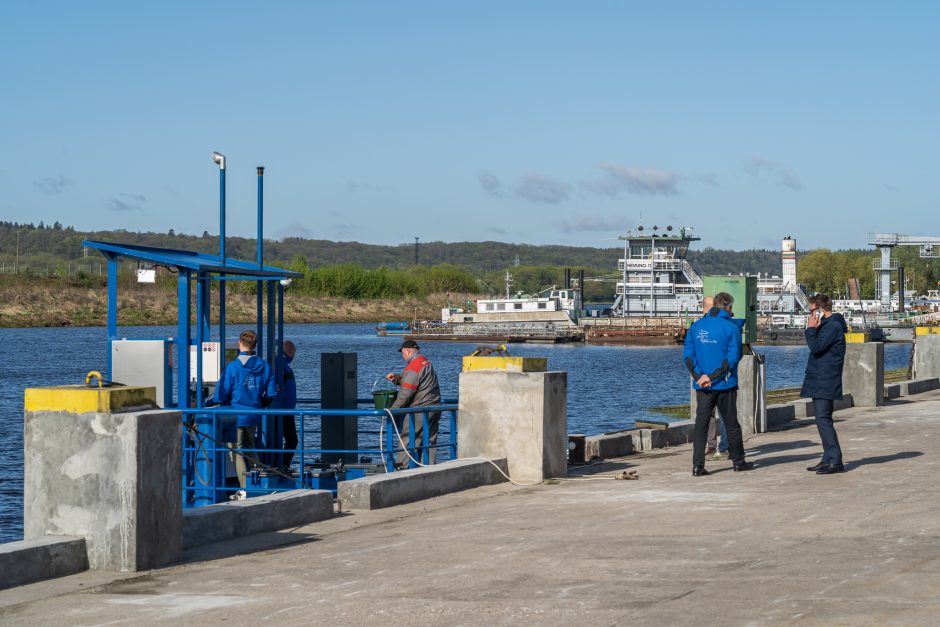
{"type": "Point", "coordinates": [608, 386]}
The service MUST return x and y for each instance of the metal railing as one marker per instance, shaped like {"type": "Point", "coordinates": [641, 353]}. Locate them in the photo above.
{"type": "Point", "coordinates": [209, 448]}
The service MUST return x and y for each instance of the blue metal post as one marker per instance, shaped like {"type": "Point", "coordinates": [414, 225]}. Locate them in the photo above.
{"type": "Point", "coordinates": [112, 307]}
{"type": "Point", "coordinates": [201, 289]}
{"type": "Point", "coordinates": [391, 441]}
{"type": "Point", "coordinates": [183, 339]}
{"type": "Point", "coordinates": [221, 163]}
{"type": "Point", "coordinates": [271, 432]}
{"type": "Point", "coordinates": [260, 324]}
{"type": "Point", "coordinates": [453, 434]}
{"type": "Point", "coordinates": [425, 440]}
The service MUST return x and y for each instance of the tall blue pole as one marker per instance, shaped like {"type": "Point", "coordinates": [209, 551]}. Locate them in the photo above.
{"type": "Point", "coordinates": [260, 326]}
{"type": "Point", "coordinates": [220, 160]}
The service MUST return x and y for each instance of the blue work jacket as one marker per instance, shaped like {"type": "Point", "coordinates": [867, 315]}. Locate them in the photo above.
{"type": "Point", "coordinates": [713, 347]}
{"type": "Point", "coordinates": [287, 385]}
{"type": "Point", "coordinates": [248, 383]}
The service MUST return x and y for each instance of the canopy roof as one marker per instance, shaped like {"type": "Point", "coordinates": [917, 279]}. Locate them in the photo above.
{"type": "Point", "coordinates": [201, 263]}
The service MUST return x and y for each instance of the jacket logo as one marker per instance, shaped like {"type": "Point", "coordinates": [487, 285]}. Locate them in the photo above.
{"type": "Point", "coordinates": [702, 336]}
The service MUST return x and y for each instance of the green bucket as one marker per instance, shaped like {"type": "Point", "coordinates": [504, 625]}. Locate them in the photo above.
{"type": "Point", "coordinates": [384, 398]}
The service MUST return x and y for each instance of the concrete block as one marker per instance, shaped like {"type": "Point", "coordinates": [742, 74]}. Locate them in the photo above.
{"type": "Point", "coordinates": [611, 445]}
{"type": "Point", "coordinates": [416, 484]}
{"type": "Point", "coordinates": [271, 512]}
{"type": "Point", "coordinates": [114, 479]}
{"type": "Point", "coordinates": [748, 395]}
{"type": "Point", "coordinates": [918, 386]}
{"type": "Point", "coordinates": [643, 440]}
{"type": "Point", "coordinates": [847, 402]}
{"type": "Point", "coordinates": [519, 416]}
{"type": "Point", "coordinates": [780, 414]}
{"type": "Point", "coordinates": [863, 375]}
{"type": "Point", "coordinates": [803, 408]}
{"type": "Point", "coordinates": [43, 558]}
{"type": "Point", "coordinates": [679, 432]}
{"type": "Point", "coordinates": [892, 390]}
{"type": "Point", "coordinates": [926, 356]}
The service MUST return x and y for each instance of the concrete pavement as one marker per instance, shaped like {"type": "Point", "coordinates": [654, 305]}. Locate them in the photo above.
{"type": "Point", "coordinates": [776, 545]}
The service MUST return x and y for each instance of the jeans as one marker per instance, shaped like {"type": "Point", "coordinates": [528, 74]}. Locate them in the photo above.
{"type": "Point", "coordinates": [832, 453]}
{"type": "Point", "coordinates": [717, 435]}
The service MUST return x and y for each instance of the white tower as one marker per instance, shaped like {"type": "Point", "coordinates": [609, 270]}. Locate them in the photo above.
{"type": "Point", "coordinates": [788, 251]}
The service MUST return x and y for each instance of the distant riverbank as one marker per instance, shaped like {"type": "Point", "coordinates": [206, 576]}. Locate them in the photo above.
{"type": "Point", "coordinates": [54, 302]}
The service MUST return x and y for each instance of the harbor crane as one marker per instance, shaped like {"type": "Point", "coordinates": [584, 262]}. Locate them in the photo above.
{"type": "Point", "coordinates": [929, 249]}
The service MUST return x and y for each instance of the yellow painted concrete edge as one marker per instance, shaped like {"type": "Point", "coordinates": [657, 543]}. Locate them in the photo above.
{"type": "Point", "coordinates": [857, 338]}
{"type": "Point", "coordinates": [511, 364]}
{"type": "Point", "coordinates": [80, 399]}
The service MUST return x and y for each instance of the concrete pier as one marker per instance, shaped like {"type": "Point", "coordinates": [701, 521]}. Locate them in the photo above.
{"type": "Point", "coordinates": [95, 468]}
{"type": "Point", "coordinates": [518, 416]}
{"type": "Point", "coordinates": [864, 373]}
{"type": "Point", "coordinates": [927, 356]}
{"type": "Point", "coordinates": [777, 545]}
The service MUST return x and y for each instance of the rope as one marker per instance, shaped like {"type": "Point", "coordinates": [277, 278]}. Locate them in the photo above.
{"type": "Point", "coordinates": [489, 461]}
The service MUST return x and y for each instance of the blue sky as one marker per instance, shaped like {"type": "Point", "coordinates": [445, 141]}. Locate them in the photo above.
{"type": "Point", "coordinates": [529, 122]}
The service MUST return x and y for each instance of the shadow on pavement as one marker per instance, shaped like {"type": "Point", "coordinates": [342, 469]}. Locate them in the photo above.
{"type": "Point", "coordinates": [881, 459]}
{"type": "Point", "coordinates": [245, 545]}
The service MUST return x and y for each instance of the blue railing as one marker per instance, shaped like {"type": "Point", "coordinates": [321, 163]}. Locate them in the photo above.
{"type": "Point", "coordinates": [209, 436]}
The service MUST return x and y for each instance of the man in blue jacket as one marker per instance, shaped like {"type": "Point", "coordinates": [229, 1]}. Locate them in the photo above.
{"type": "Point", "coordinates": [712, 352]}
{"type": "Point", "coordinates": [825, 337]}
{"type": "Point", "coordinates": [287, 399]}
{"type": "Point", "coordinates": [246, 383]}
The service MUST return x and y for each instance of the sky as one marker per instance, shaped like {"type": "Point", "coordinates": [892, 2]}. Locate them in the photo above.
{"type": "Point", "coordinates": [528, 122]}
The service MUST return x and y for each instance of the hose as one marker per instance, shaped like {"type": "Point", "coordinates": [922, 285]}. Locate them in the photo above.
{"type": "Point", "coordinates": [391, 417]}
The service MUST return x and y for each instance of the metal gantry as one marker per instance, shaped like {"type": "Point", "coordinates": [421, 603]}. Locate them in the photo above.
{"type": "Point", "coordinates": [929, 249]}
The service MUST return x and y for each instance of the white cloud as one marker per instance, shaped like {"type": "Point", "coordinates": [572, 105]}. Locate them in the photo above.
{"type": "Point", "coordinates": [758, 167]}
{"type": "Point", "coordinates": [595, 223]}
{"type": "Point", "coordinates": [537, 188]}
{"type": "Point", "coordinates": [619, 179]}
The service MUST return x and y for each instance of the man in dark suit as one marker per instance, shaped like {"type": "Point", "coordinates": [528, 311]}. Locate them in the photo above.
{"type": "Point", "coordinates": [825, 337]}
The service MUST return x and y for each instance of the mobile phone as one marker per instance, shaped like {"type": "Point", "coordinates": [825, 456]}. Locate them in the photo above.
{"type": "Point", "coordinates": [818, 314]}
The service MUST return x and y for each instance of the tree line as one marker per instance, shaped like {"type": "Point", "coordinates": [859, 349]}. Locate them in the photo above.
{"type": "Point", "coordinates": [358, 270]}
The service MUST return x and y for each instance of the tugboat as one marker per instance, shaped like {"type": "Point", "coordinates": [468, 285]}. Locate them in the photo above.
{"type": "Point", "coordinates": [551, 316]}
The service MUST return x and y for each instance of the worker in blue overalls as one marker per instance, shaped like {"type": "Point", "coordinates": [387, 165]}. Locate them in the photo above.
{"type": "Point", "coordinates": [247, 383]}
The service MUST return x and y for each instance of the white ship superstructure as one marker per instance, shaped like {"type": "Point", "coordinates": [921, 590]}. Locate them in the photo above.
{"type": "Point", "coordinates": [658, 281]}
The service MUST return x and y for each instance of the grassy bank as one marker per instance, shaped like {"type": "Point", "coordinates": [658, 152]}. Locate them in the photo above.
{"type": "Point", "coordinates": [71, 301]}
{"type": "Point", "coordinates": [774, 397]}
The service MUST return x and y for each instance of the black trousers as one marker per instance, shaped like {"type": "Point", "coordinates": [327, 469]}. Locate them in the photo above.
{"type": "Point", "coordinates": [727, 403]}
{"type": "Point", "coordinates": [832, 452]}
{"type": "Point", "coordinates": [289, 432]}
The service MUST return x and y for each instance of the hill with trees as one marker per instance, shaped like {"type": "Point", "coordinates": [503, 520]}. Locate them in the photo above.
{"type": "Point", "coordinates": [358, 270]}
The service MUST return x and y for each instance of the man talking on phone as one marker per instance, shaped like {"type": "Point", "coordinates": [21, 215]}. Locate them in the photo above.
{"type": "Point", "coordinates": [825, 337]}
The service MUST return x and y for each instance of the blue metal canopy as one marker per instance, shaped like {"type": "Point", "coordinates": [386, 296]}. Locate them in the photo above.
{"type": "Point", "coordinates": [200, 263]}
